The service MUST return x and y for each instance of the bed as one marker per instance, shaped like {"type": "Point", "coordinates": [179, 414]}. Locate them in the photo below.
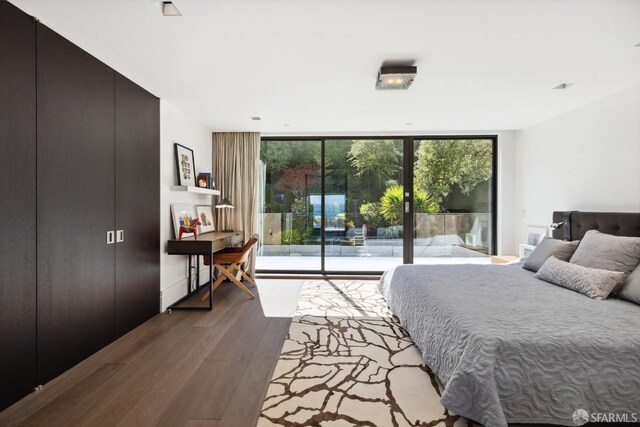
{"type": "Point", "coordinates": [510, 348]}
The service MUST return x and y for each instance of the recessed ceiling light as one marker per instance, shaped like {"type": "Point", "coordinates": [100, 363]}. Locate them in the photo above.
{"type": "Point", "coordinates": [170, 9]}
{"type": "Point", "coordinates": [396, 77]}
{"type": "Point", "coordinates": [256, 118]}
{"type": "Point", "coordinates": [637, 45]}
{"type": "Point", "coordinates": [563, 85]}
{"type": "Point", "coordinates": [287, 125]}
{"type": "Point", "coordinates": [408, 124]}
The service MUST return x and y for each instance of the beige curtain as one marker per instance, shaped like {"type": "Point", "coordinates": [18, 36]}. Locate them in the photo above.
{"type": "Point", "coordinates": [236, 159]}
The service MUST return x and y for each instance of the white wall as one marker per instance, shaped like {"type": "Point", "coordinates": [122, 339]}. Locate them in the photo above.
{"type": "Point", "coordinates": [507, 241]}
{"type": "Point", "coordinates": [175, 126]}
{"type": "Point", "coordinates": [587, 159]}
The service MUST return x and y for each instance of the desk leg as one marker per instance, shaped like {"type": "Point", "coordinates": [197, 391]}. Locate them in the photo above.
{"type": "Point", "coordinates": [211, 284]}
{"type": "Point", "coordinates": [197, 286]}
{"type": "Point", "coordinates": [189, 277]}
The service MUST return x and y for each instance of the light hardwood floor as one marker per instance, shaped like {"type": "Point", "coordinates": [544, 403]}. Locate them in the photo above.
{"type": "Point", "coordinates": [190, 369]}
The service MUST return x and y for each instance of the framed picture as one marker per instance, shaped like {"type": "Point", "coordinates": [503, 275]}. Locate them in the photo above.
{"type": "Point", "coordinates": [525, 250]}
{"type": "Point", "coordinates": [180, 214]}
{"type": "Point", "coordinates": [212, 184]}
{"type": "Point", "coordinates": [185, 165]}
{"type": "Point", "coordinates": [203, 181]}
{"type": "Point", "coordinates": [205, 214]}
{"type": "Point", "coordinates": [534, 235]}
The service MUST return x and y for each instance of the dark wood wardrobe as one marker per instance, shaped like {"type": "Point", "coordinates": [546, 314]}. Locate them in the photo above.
{"type": "Point", "coordinates": [80, 181]}
{"type": "Point", "coordinates": [137, 210]}
{"type": "Point", "coordinates": [17, 203]}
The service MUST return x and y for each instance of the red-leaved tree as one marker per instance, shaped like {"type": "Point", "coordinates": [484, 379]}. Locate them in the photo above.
{"type": "Point", "coordinates": [297, 180]}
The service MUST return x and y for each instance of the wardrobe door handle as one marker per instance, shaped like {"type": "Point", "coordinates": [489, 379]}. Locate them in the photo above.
{"type": "Point", "coordinates": [120, 236]}
{"type": "Point", "coordinates": [111, 237]}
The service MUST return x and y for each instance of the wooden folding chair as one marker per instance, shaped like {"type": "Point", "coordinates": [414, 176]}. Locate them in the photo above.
{"type": "Point", "coordinates": [227, 261]}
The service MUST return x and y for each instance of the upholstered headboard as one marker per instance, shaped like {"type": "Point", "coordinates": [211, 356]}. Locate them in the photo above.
{"type": "Point", "coordinates": [574, 224]}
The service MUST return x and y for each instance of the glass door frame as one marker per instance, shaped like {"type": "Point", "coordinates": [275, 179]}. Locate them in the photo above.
{"type": "Point", "coordinates": [408, 175]}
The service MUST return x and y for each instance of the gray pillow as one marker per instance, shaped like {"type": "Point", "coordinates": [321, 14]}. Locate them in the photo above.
{"type": "Point", "coordinates": [549, 247]}
{"type": "Point", "coordinates": [592, 282]}
{"type": "Point", "coordinates": [607, 252]}
{"type": "Point", "coordinates": [631, 288]}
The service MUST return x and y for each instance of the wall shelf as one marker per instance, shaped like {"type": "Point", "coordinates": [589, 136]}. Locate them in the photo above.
{"type": "Point", "coordinates": [191, 189]}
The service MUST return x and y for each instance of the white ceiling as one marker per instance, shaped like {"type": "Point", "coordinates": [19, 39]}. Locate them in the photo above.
{"type": "Point", "coordinates": [312, 64]}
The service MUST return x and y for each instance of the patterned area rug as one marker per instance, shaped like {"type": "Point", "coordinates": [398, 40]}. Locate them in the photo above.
{"type": "Point", "coordinates": [347, 361]}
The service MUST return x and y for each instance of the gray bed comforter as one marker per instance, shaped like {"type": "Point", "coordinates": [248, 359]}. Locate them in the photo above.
{"type": "Point", "coordinates": [510, 348]}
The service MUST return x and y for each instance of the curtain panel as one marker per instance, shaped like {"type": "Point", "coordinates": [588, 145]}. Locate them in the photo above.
{"type": "Point", "coordinates": [236, 160]}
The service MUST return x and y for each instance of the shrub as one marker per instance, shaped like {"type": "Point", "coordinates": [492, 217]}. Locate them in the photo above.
{"type": "Point", "coordinates": [288, 237]}
{"type": "Point", "coordinates": [302, 212]}
{"type": "Point", "coordinates": [371, 215]}
{"type": "Point", "coordinates": [392, 201]}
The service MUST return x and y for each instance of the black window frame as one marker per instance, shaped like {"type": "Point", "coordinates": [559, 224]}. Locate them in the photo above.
{"type": "Point", "coordinates": [408, 175]}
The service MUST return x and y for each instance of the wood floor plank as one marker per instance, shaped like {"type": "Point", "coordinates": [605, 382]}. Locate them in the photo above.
{"type": "Point", "coordinates": [202, 423]}
{"type": "Point", "coordinates": [223, 305]}
{"type": "Point", "coordinates": [214, 404]}
{"type": "Point", "coordinates": [205, 395]}
{"type": "Point", "coordinates": [56, 412]}
{"type": "Point", "coordinates": [124, 385]}
{"type": "Point", "coordinates": [31, 403]}
{"type": "Point", "coordinates": [245, 405]}
{"type": "Point", "coordinates": [149, 409]}
{"type": "Point", "coordinates": [178, 369]}
{"type": "Point", "coordinates": [126, 389]}
{"type": "Point", "coordinates": [241, 362]}
{"type": "Point", "coordinates": [249, 326]}
{"type": "Point", "coordinates": [273, 339]}
{"type": "Point", "coordinates": [199, 390]}
{"type": "Point", "coordinates": [130, 352]}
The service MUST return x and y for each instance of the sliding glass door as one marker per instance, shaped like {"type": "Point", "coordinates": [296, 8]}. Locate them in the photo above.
{"type": "Point", "coordinates": [453, 200]}
{"type": "Point", "coordinates": [288, 221]}
{"type": "Point", "coordinates": [363, 205]}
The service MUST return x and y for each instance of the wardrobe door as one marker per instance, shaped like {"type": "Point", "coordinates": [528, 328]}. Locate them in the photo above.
{"type": "Point", "coordinates": [18, 206]}
{"type": "Point", "coordinates": [75, 107]}
{"type": "Point", "coordinates": [137, 205]}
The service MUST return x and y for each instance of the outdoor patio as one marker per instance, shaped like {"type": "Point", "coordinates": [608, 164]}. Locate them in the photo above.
{"type": "Point", "coordinates": [374, 255]}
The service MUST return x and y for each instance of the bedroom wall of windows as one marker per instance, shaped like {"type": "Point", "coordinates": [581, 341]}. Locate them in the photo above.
{"type": "Point", "coordinates": [363, 205]}
{"type": "Point", "coordinates": [454, 195]}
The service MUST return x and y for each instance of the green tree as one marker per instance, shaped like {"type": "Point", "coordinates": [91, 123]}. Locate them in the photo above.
{"type": "Point", "coordinates": [276, 155]}
{"type": "Point", "coordinates": [380, 159]}
{"type": "Point", "coordinates": [441, 164]}
{"type": "Point", "coordinates": [335, 160]}
{"type": "Point", "coordinates": [392, 201]}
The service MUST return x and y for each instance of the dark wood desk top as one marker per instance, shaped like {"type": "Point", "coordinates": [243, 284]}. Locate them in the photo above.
{"type": "Point", "coordinates": [206, 244]}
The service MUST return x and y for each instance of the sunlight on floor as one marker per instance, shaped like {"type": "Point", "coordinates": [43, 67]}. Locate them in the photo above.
{"type": "Point", "coordinates": [279, 297]}
{"type": "Point", "coordinates": [287, 298]}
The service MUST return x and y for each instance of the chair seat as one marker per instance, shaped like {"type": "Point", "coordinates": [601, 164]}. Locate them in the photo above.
{"type": "Point", "coordinates": [229, 262]}
{"type": "Point", "coordinates": [230, 257]}
{"type": "Point", "coordinates": [230, 250]}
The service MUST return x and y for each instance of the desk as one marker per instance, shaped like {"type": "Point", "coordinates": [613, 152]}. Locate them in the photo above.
{"type": "Point", "coordinates": [207, 244]}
